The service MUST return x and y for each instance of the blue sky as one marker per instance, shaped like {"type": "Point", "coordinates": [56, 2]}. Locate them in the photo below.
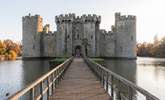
{"type": "Point", "coordinates": [150, 14]}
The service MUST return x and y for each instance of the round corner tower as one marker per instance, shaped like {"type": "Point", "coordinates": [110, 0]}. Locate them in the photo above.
{"type": "Point", "coordinates": [125, 36]}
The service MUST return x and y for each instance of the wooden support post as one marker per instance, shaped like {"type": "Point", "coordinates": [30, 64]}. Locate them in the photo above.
{"type": "Point", "coordinates": [53, 82]}
{"type": "Point", "coordinates": [61, 71]}
{"type": "Point", "coordinates": [100, 73]}
{"type": "Point", "coordinates": [48, 91]}
{"type": "Point", "coordinates": [130, 93]}
{"type": "Point", "coordinates": [41, 90]}
{"type": "Point", "coordinates": [57, 74]}
{"type": "Point", "coordinates": [56, 79]}
{"type": "Point", "coordinates": [103, 78]}
{"type": "Point", "coordinates": [32, 94]}
{"type": "Point", "coordinates": [118, 96]}
{"type": "Point", "coordinates": [97, 71]}
{"type": "Point", "coordinates": [112, 95]}
{"type": "Point", "coordinates": [107, 81]}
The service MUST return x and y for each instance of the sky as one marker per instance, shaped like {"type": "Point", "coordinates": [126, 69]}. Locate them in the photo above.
{"type": "Point", "coordinates": [150, 14]}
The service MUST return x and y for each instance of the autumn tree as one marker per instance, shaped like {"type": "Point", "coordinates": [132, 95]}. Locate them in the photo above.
{"type": "Point", "coordinates": [155, 49]}
{"type": "Point", "coordinates": [9, 50]}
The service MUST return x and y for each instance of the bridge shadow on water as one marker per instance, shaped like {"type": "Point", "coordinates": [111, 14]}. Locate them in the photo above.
{"type": "Point", "coordinates": [124, 68]}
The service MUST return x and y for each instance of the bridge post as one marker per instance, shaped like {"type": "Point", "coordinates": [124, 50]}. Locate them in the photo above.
{"type": "Point", "coordinates": [118, 96]}
{"type": "Point", "coordinates": [41, 90]}
{"type": "Point", "coordinates": [32, 94]}
{"type": "Point", "coordinates": [57, 74]}
{"type": "Point", "coordinates": [48, 91]}
{"type": "Point", "coordinates": [53, 82]}
{"type": "Point", "coordinates": [130, 93]}
{"type": "Point", "coordinates": [107, 81]}
{"type": "Point", "coordinates": [100, 74]}
{"type": "Point", "coordinates": [102, 78]}
{"type": "Point", "coordinates": [112, 95]}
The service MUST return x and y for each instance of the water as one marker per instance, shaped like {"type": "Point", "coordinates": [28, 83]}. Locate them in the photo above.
{"type": "Point", "coordinates": [15, 75]}
{"type": "Point", "coordinates": [148, 73]}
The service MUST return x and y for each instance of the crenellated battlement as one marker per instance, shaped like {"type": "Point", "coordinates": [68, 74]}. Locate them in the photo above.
{"type": "Point", "coordinates": [91, 18]}
{"type": "Point", "coordinates": [107, 36]}
{"type": "Point", "coordinates": [127, 17]}
{"type": "Point", "coordinates": [104, 32]}
{"type": "Point", "coordinates": [65, 18]}
{"type": "Point", "coordinates": [83, 18]}
{"type": "Point", "coordinates": [35, 20]}
{"type": "Point", "coordinates": [31, 17]}
{"type": "Point", "coordinates": [118, 16]}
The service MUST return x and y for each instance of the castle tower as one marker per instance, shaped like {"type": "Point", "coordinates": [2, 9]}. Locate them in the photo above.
{"type": "Point", "coordinates": [46, 28]}
{"type": "Point", "coordinates": [125, 44]}
{"type": "Point", "coordinates": [64, 35]}
{"type": "Point", "coordinates": [31, 28]}
{"type": "Point", "coordinates": [97, 35]}
{"type": "Point", "coordinates": [90, 33]}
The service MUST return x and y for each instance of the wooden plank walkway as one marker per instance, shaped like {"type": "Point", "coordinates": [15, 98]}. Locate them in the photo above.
{"type": "Point", "coordinates": [79, 83]}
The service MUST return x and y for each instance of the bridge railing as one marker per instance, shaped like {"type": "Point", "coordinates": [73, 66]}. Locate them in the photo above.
{"type": "Point", "coordinates": [118, 87]}
{"type": "Point", "coordinates": [43, 86]}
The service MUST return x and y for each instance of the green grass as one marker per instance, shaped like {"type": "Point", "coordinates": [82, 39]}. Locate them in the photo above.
{"type": "Point", "coordinates": [98, 60]}
{"type": "Point", "coordinates": [57, 61]}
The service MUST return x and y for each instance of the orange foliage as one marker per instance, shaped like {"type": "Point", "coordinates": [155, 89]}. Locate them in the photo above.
{"type": "Point", "coordinates": [9, 50]}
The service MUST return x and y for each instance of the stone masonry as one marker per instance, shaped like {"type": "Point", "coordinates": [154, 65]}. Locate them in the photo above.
{"type": "Point", "coordinates": [79, 36]}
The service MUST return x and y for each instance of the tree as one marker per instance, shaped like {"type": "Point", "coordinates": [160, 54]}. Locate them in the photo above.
{"type": "Point", "coordinates": [155, 49]}
{"type": "Point", "coordinates": [9, 50]}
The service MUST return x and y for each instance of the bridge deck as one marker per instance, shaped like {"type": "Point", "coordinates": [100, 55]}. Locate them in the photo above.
{"type": "Point", "coordinates": [79, 83]}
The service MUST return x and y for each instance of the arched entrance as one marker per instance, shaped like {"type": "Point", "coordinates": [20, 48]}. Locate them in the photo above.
{"type": "Point", "coordinates": [78, 51]}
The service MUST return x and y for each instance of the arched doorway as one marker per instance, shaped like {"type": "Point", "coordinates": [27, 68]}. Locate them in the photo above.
{"type": "Point", "coordinates": [78, 51]}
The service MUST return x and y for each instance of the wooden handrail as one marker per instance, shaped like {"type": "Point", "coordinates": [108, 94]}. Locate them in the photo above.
{"type": "Point", "coordinates": [104, 73]}
{"type": "Point", "coordinates": [59, 70]}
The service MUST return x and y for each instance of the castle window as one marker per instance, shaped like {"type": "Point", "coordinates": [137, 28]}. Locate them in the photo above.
{"type": "Point", "coordinates": [62, 20]}
{"type": "Point", "coordinates": [68, 36]}
{"type": "Point", "coordinates": [91, 36]}
{"type": "Point", "coordinates": [77, 36]}
{"type": "Point", "coordinates": [121, 49]}
{"type": "Point", "coordinates": [58, 21]}
{"type": "Point", "coordinates": [33, 46]}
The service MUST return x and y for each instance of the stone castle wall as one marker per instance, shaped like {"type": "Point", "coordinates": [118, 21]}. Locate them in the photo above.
{"type": "Point", "coordinates": [49, 44]}
{"type": "Point", "coordinates": [72, 31]}
{"type": "Point", "coordinates": [125, 27]}
{"type": "Point", "coordinates": [32, 25]}
{"type": "Point", "coordinates": [107, 41]}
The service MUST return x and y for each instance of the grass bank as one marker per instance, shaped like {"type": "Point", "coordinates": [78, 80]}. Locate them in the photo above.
{"type": "Point", "coordinates": [57, 61]}
{"type": "Point", "coordinates": [98, 60]}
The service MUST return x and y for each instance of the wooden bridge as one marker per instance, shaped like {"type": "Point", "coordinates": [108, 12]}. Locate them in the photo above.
{"type": "Point", "coordinates": [79, 83]}
{"type": "Point", "coordinates": [74, 80]}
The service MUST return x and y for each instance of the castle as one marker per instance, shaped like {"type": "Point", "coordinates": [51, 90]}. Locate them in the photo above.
{"type": "Point", "coordinates": [79, 35]}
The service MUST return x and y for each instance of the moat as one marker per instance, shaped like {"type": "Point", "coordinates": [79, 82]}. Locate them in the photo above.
{"type": "Point", "coordinates": [148, 73]}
